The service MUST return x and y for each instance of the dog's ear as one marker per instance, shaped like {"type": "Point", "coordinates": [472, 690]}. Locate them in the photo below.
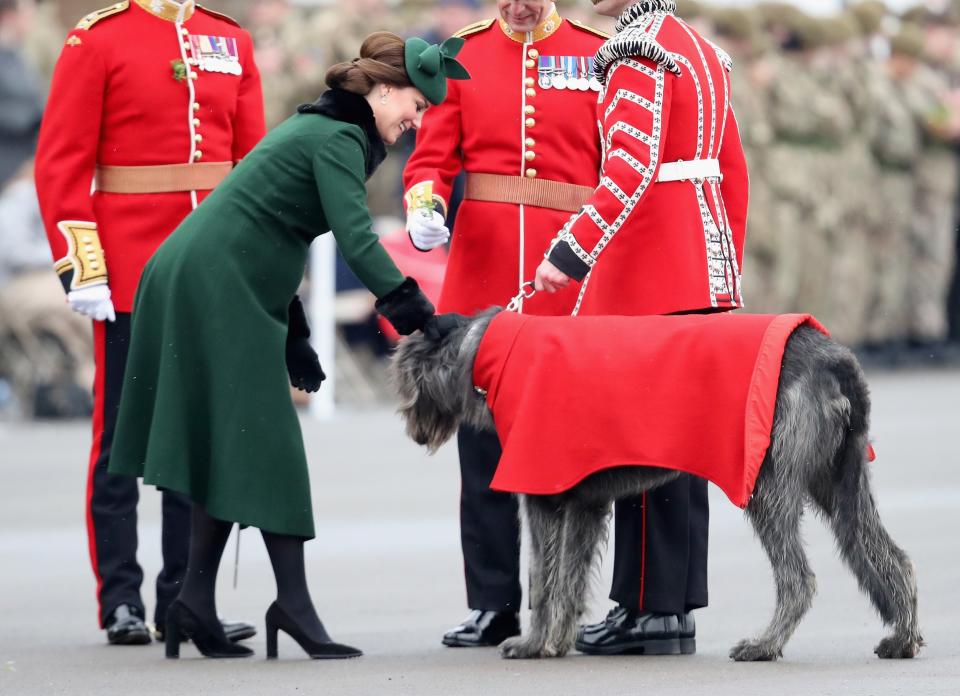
{"type": "Point", "coordinates": [433, 375]}
{"type": "Point", "coordinates": [403, 368]}
{"type": "Point", "coordinates": [429, 404]}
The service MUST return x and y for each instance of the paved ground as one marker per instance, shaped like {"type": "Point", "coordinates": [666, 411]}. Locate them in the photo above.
{"type": "Point", "coordinates": [386, 575]}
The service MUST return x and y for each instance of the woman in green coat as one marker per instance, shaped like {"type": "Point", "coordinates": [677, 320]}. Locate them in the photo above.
{"type": "Point", "coordinates": [217, 329]}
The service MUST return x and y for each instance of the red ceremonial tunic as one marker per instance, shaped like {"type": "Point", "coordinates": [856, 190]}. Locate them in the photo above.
{"type": "Point", "coordinates": [571, 396]}
{"type": "Point", "coordinates": [504, 121]}
{"type": "Point", "coordinates": [657, 247]}
{"type": "Point", "coordinates": [119, 102]}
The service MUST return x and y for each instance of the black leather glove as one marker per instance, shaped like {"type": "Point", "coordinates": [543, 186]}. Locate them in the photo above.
{"type": "Point", "coordinates": [406, 307]}
{"type": "Point", "coordinates": [438, 326]}
{"type": "Point", "coordinates": [303, 365]}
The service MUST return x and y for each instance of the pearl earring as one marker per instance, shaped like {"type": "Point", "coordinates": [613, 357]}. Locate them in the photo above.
{"type": "Point", "coordinates": [383, 98]}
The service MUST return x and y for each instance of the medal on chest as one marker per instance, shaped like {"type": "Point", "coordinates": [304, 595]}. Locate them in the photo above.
{"type": "Point", "coordinates": [216, 53]}
{"type": "Point", "coordinates": [583, 81]}
{"type": "Point", "coordinates": [570, 69]}
{"type": "Point", "coordinates": [545, 72]}
{"type": "Point", "coordinates": [559, 80]}
{"type": "Point", "coordinates": [595, 84]}
{"type": "Point", "coordinates": [573, 73]}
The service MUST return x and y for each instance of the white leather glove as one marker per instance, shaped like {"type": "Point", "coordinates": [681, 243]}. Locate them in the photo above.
{"type": "Point", "coordinates": [94, 302]}
{"type": "Point", "coordinates": [426, 229]}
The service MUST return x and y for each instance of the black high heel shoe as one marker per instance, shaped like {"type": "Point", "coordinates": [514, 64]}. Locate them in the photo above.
{"type": "Point", "coordinates": [278, 619]}
{"type": "Point", "coordinates": [210, 640]}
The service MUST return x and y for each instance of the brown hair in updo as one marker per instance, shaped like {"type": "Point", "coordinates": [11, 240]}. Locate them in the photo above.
{"type": "Point", "coordinates": [381, 60]}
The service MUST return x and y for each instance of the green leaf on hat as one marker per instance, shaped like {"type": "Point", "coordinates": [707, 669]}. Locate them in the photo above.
{"type": "Point", "coordinates": [430, 65]}
{"type": "Point", "coordinates": [449, 49]}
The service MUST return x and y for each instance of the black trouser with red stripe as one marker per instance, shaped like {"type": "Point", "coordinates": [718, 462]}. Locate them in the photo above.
{"type": "Point", "coordinates": [489, 526]}
{"type": "Point", "coordinates": [660, 544]}
{"type": "Point", "coordinates": [660, 548]}
{"type": "Point", "coordinates": [112, 499]}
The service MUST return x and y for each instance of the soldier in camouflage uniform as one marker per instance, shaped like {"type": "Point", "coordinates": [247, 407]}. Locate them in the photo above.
{"type": "Point", "coordinates": [931, 234]}
{"type": "Point", "coordinates": [752, 49]}
{"type": "Point", "coordinates": [839, 282]}
{"type": "Point", "coordinates": [808, 124]}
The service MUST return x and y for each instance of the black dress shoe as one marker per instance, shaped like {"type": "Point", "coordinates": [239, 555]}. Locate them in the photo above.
{"type": "Point", "coordinates": [626, 632]}
{"type": "Point", "coordinates": [234, 630]}
{"type": "Point", "coordinates": [483, 628]}
{"type": "Point", "coordinates": [125, 627]}
{"type": "Point", "coordinates": [238, 630]}
{"type": "Point", "coordinates": [688, 634]}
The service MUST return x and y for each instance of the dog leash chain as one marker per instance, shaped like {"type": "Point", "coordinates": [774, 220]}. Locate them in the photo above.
{"type": "Point", "coordinates": [527, 290]}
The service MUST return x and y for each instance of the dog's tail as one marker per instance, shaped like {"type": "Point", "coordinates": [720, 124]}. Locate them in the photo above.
{"type": "Point", "coordinates": [882, 568]}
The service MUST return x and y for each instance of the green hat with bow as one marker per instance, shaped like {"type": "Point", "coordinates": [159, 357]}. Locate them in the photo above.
{"type": "Point", "coordinates": [430, 65]}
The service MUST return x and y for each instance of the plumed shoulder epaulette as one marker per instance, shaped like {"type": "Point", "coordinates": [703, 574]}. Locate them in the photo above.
{"type": "Point", "coordinates": [219, 15]}
{"type": "Point", "coordinates": [577, 24]}
{"type": "Point", "coordinates": [725, 60]}
{"type": "Point", "coordinates": [474, 28]}
{"type": "Point", "coordinates": [102, 13]}
{"type": "Point", "coordinates": [633, 44]}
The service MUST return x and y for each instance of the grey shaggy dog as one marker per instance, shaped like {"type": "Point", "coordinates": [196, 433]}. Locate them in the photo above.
{"type": "Point", "coordinates": [817, 457]}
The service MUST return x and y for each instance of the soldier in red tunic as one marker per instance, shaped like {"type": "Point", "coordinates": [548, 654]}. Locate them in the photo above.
{"type": "Point", "coordinates": [524, 131]}
{"type": "Point", "coordinates": [662, 234]}
{"type": "Point", "coordinates": [152, 102]}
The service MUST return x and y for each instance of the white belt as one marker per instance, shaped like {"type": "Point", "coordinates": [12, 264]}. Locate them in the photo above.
{"type": "Point", "coordinates": [681, 170]}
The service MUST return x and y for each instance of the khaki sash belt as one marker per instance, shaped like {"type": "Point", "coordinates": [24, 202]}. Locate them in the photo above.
{"type": "Point", "coordinates": [163, 178]}
{"type": "Point", "coordinates": [500, 188]}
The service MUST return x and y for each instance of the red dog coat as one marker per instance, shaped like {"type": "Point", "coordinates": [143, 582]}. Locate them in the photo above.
{"type": "Point", "coordinates": [571, 396]}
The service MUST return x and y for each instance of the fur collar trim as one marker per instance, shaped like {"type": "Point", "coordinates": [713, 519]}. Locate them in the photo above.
{"type": "Point", "coordinates": [341, 105]}
{"type": "Point", "coordinates": [644, 7]}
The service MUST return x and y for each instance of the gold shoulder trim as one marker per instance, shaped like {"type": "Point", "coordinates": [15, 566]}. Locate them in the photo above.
{"type": "Point", "coordinates": [102, 13]}
{"type": "Point", "coordinates": [219, 15]}
{"type": "Point", "coordinates": [577, 24]}
{"type": "Point", "coordinates": [474, 28]}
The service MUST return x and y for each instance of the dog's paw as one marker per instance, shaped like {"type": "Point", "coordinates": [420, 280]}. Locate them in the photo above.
{"type": "Point", "coordinates": [521, 648]}
{"type": "Point", "coordinates": [754, 651]}
{"type": "Point", "coordinates": [898, 647]}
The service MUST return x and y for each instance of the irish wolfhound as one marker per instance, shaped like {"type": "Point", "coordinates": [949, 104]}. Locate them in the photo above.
{"type": "Point", "coordinates": [817, 456]}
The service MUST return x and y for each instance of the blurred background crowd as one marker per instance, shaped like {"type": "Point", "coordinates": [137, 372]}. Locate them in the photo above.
{"type": "Point", "coordinates": [850, 120]}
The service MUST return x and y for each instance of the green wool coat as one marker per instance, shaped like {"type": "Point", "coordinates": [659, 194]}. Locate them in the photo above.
{"type": "Point", "coordinates": [206, 408]}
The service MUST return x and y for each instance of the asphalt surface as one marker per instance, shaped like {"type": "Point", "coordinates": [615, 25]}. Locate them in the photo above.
{"type": "Point", "coordinates": [386, 575]}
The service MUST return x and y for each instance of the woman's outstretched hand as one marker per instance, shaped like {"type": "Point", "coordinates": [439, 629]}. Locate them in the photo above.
{"type": "Point", "coordinates": [438, 326]}
{"type": "Point", "coordinates": [406, 307]}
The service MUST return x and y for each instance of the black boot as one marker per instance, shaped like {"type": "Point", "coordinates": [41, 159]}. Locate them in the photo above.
{"type": "Point", "coordinates": [483, 628]}
{"type": "Point", "coordinates": [293, 612]}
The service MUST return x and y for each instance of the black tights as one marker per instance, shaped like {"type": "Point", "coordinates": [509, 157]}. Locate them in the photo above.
{"type": "Point", "coordinates": [208, 537]}
{"type": "Point", "coordinates": [286, 557]}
